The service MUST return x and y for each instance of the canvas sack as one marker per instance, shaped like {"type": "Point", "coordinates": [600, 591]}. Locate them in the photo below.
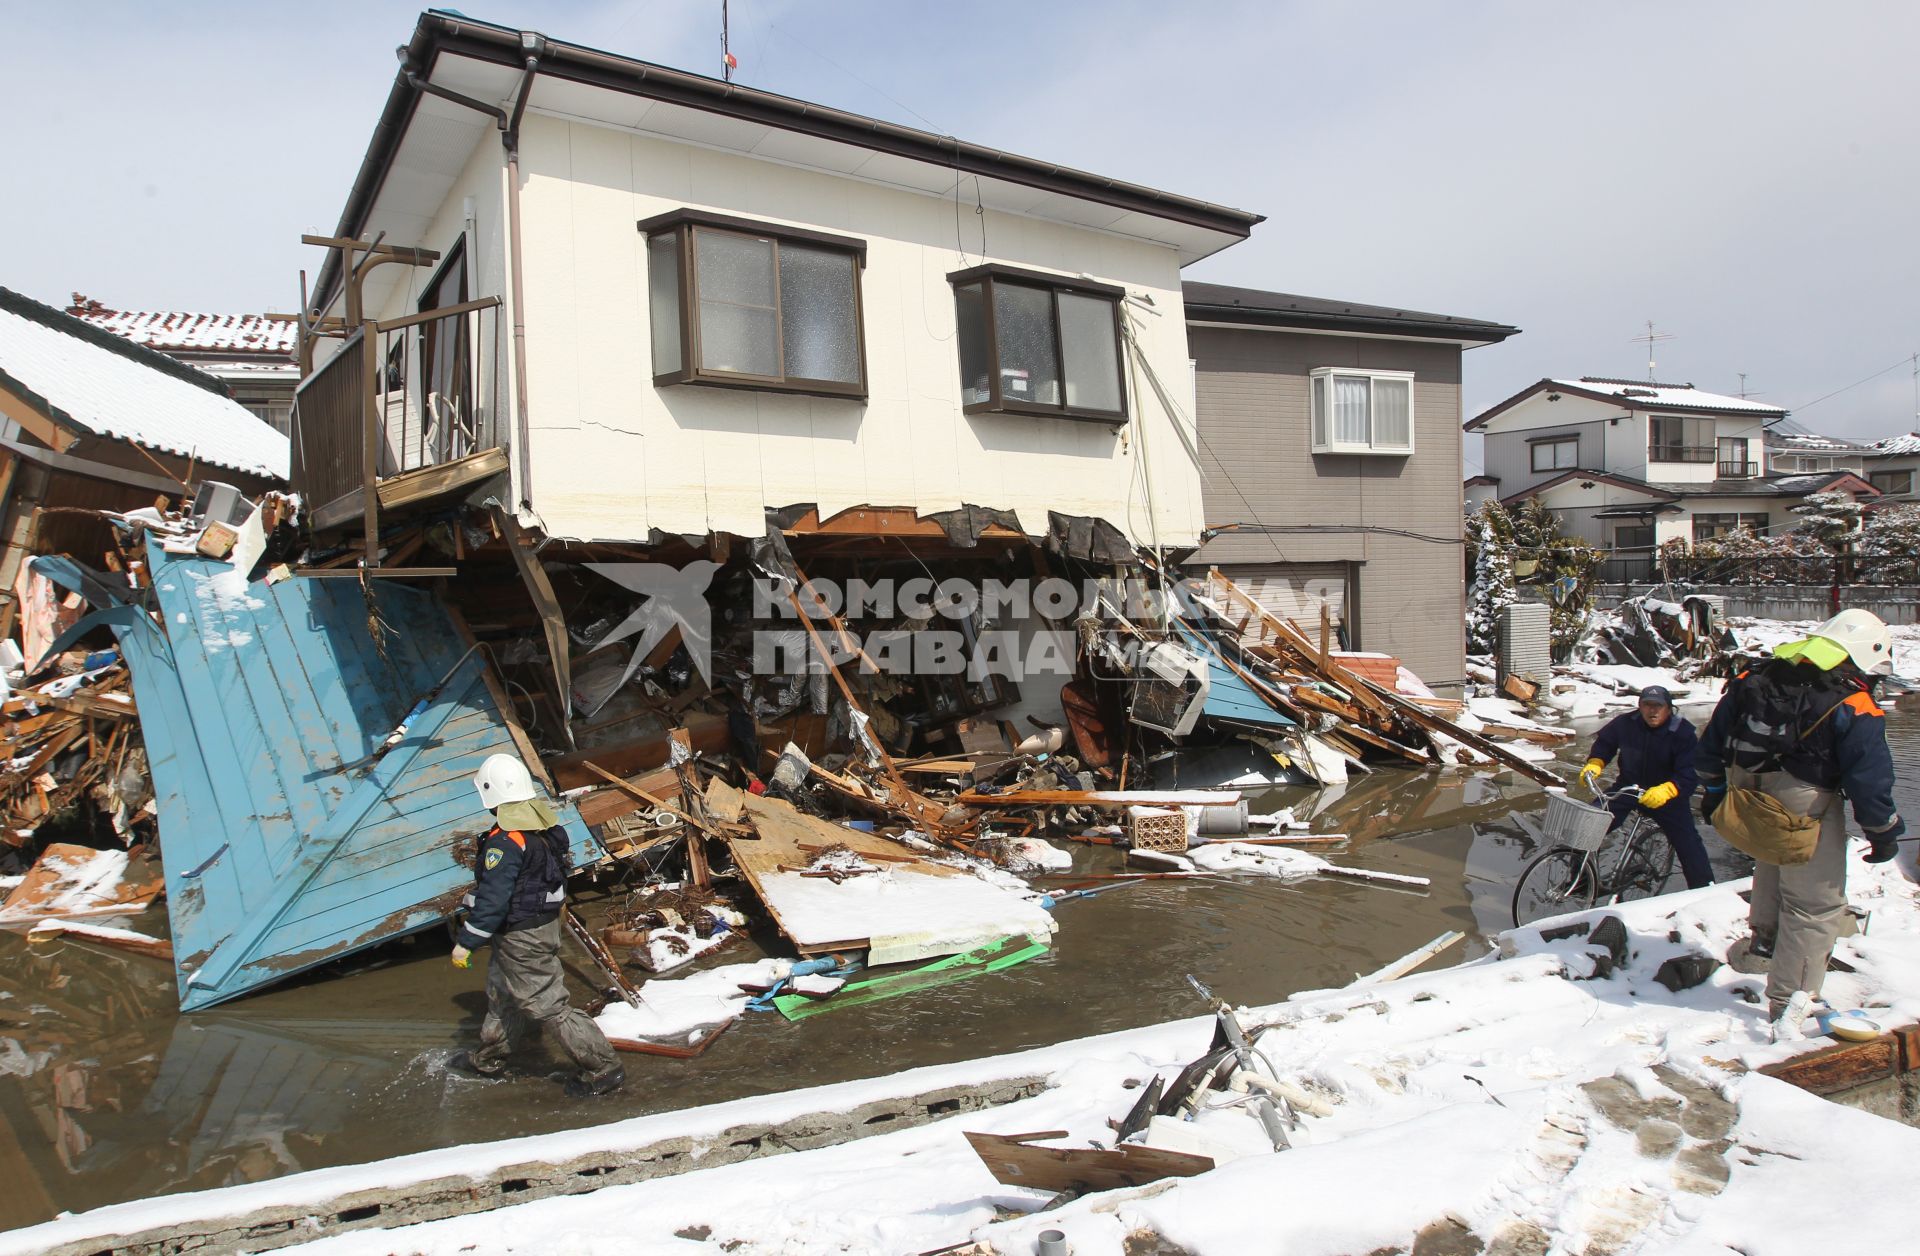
{"type": "Point", "coordinates": [1759, 825]}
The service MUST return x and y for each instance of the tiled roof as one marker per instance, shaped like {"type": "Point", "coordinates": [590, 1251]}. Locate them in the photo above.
{"type": "Point", "coordinates": [1811, 442]}
{"type": "Point", "coordinates": [98, 383]}
{"type": "Point", "coordinates": [1905, 443]}
{"type": "Point", "coordinates": [1799, 485]}
{"type": "Point", "coordinates": [174, 331]}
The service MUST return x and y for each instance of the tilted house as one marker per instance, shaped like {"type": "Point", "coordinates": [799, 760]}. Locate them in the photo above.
{"type": "Point", "coordinates": [704, 302]}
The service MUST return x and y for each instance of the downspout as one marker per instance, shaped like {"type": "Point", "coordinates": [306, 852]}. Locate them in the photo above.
{"type": "Point", "coordinates": [509, 127]}
{"type": "Point", "coordinates": [510, 137]}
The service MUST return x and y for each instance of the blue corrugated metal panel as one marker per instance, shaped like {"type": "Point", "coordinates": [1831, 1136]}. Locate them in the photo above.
{"type": "Point", "coordinates": [255, 702]}
{"type": "Point", "coordinates": [1228, 696]}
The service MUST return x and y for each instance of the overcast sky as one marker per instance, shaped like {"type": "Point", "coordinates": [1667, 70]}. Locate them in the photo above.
{"type": "Point", "coordinates": [1743, 174]}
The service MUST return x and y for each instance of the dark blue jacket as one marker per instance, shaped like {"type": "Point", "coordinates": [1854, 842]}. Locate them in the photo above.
{"type": "Point", "coordinates": [1649, 756]}
{"type": "Point", "coordinates": [1847, 750]}
{"type": "Point", "coordinates": [518, 883]}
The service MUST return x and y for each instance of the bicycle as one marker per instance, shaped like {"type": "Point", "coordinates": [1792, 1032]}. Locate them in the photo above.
{"type": "Point", "coordinates": [1569, 876]}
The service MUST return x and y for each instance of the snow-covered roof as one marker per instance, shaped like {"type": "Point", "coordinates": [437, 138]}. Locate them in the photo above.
{"type": "Point", "coordinates": [175, 331]}
{"type": "Point", "coordinates": [1905, 443]}
{"type": "Point", "coordinates": [1645, 394]}
{"type": "Point", "coordinates": [1812, 442]}
{"type": "Point", "coordinates": [97, 383]}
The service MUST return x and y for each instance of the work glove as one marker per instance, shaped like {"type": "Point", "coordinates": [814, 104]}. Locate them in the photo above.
{"type": "Point", "coordinates": [1659, 796]}
{"type": "Point", "coordinates": [1886, 843]}
{"type": "Point", "coordinates": [462, 957]}
{"type": "Point", "coordinates": [1710, 799]}
{"type": "Point", "coordinates": [1591, 773]}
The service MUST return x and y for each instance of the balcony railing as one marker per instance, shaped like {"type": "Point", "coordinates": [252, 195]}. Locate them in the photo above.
{"type": "Point", "coordinates": [415, 422]}
{"type": "Point", "coordinates": [1738, 470]}
{"type": "Point", "coordinates": [1681, 453]}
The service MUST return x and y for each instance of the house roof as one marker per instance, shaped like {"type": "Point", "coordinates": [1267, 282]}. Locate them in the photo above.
{"type": "Point", "coordinates": [1483, 478]}
{"type": "Point", "coordinates": [1636, 395]}
{"type": "Point", "coordinates": [1798, 485]}
{"type": "Point", "coordinates": [95, 382]}
{"type": "Point", "coordinates": [1661, 492]}
{"type": "Point", "coordinates": [1895, 446]}
{"type": "Point", "coordinates": [1812, 442]}
{"type": "Point", "coordinates": [175, 331]}
{"type": "Point", "coordinates": [1222, 303]}
{"type": "Point", "coordinates": [484, 61]}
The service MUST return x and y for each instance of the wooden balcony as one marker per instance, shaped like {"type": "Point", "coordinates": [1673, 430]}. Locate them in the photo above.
{"type": "Point", "coordinates": [361, 421]}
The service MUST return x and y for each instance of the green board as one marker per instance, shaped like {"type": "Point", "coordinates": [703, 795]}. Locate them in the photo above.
{"type": "Point", "coordinates": [992, 958]}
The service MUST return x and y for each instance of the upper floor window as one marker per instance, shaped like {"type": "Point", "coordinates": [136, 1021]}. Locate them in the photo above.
{"type": "Point", "coordinates": [747, 305]}
{"type": "Point", "coordinates": [1362, 412]}
{"type": "Point", "coordinates": [1676, 439]}
{"type": "Point", "coordinates": [1892, 481]}
{"type": "Point", "coordinates": [1556, 453]}
{"type": "Point", "coordinates": [1032, 343]}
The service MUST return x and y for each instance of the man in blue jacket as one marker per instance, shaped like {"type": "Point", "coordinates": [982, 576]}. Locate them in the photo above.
{"type": "Point", "coordinates": [519, 890]}
{"type": "Point", "coordinates": [1803, 728]}
{"type": "Point", "coordinates": [1656, 753]}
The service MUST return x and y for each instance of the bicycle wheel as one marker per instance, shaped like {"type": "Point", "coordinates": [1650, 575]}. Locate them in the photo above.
{"type": "Point", "coordinates": [1645, 870]}
{"type": "Point", "coordinates": [1558, 882]}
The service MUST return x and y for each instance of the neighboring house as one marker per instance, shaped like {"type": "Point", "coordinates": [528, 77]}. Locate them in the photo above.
{"type": "Point", "coordinates": [1630, 465]}
{"type": "Point", "coordinates": [1797, 453]}
{"type": "Point", "coordinates": [1893, 466]}
{"type": "Point", "coordinates": [253, 354]}
{"type": "Point", "coordinates": [1330, 444]}
{"type": "Point", "coordinates": [95, 422]}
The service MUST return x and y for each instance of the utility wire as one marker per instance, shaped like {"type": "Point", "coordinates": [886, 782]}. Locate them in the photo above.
{"type": "Point", "coordinates": [1855, 384]}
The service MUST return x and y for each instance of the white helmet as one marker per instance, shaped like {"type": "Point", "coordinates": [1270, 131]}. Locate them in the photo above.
{"type": "Point", "coordinates": [1864, 636]}
{"type": "Point", "coordinates": [503, 779]}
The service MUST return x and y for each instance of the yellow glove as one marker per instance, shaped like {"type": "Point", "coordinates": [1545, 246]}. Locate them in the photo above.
{"type": "Point", "coordinates": [462, 957]}
{"type": "Point", "coordinates": [1591, 773]}
{"type": "Point", "coordinates": [1660, 795]}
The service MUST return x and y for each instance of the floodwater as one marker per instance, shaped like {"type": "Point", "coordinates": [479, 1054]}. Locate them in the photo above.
{"type": "Point", "coordinates": [109, 1094]}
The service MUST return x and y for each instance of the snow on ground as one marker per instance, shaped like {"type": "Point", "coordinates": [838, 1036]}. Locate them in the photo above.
{"type": "Point", "coordinates": [1764, 634]}
{"type": "Point", "coordinates": [1586, 690]}
{"type": "Point", "coordinates": [1519, 1097]}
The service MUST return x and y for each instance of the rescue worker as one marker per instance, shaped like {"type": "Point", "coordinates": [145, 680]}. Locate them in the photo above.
{"type": "Point", "coordinates": [1803, 728]}
{"type": "Point", "coordinates": [519, 890]}
{"type": "Point", "coordinates": [1656, 749]}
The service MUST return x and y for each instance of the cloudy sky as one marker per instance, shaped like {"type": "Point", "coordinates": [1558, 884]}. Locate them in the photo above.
{"type": "Point", "coordinates": [1743, 174]}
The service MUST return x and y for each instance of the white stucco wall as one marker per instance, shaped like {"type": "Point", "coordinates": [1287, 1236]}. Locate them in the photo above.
{"type": "Point", "coordinates": [613, 456]}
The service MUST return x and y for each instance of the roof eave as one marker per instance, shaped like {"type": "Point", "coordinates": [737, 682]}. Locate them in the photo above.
{"type": "Point", "coordinates": [439, 32]}
{"type": "Point", "coordinates": [1422, 329]}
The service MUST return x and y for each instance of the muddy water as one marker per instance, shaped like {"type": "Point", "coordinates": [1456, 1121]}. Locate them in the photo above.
{"type": "Point", "coordinates": [106, 1093]}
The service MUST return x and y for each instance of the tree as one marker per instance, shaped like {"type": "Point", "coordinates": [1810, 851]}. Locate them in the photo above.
{"type": "Point", "coordinates": [1890, 545]}
{"type": "Point", "coordinates": [1490, 534]}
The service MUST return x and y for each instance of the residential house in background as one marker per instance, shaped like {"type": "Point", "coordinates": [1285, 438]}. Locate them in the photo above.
{"type": "Point", "coordinates": [1798, 453]}
{"type": "Point", "coordinates": [95, 422]}
{"type": "Point", "coordinates": [1630, 465]}
{"type": "Point", "coordinates": [1330, 444]}
{"type": "Point", "coordinates": [1893, 466]}
{"type": "Point", "coordinates": [253, 354]}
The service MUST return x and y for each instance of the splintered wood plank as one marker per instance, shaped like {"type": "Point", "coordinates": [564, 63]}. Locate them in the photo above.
{"type": "Point", "coordinates": [725, 803]}
{"type": "Point", "coordinates": [1013, 1161]}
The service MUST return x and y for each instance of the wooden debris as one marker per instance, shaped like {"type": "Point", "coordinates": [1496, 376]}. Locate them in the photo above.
{"type": "Point", "coordinates": [1015, 1161]}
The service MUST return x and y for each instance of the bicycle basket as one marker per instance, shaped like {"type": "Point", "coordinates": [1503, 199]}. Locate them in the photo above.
{"type": "Point", "coordinates": [1571, 822]}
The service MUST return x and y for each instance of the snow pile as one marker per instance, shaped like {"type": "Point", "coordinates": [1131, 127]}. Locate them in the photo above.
{"type": "Point", "coordinates": [902, 914]}
{"type": "Point", "coordinates": [688, 1008]}
{"type": "Point", "coordinates": [671, 948]}
{"type": "Point", "coordinates": [1266, 861]}
{"type": "Point", "coordinates": [1587, 690]}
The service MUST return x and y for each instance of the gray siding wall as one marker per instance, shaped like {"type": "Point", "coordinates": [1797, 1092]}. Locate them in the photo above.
{"type": "Point", "coordinates": [1252, 390]}
{"type": "Point", "coordinates": [1509, 455]}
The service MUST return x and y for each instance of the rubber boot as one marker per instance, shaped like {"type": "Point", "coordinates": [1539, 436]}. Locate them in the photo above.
{"type": "Point", "coordinates": [464, 1063]}
{"type": "Point", "coordinates": [584, 1087]}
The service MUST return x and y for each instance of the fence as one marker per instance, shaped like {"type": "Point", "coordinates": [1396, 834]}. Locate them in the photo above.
{"type": "Point", "coordinates": [1897, 604]}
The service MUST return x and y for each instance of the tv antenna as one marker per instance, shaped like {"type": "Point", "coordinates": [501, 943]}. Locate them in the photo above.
{"type": "Point", "coordinates": [728, 63]}
{"type": "Point", "coordinates": [1651, 338]}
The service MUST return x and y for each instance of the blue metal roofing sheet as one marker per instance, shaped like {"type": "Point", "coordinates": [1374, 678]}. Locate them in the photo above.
{"type": "Point", "coordinates": [260, 705]}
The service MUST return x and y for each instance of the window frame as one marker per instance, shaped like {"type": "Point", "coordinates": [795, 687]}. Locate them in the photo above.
{"type": "Point", "coordinates": [1682, 452]}
{"type": "Point", "coordinates": [997, 401]}
{"type": "Point", "coordinates": [1324, 424]}
{"type": "Point", "coordinates": [684, 225]}
{"type": "Point", "coordinates": [1875, 477]}
{"type": "Point", "coordinates": [1740, 519]}
{"type": "Point", "coordinates": [1539, 443]}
